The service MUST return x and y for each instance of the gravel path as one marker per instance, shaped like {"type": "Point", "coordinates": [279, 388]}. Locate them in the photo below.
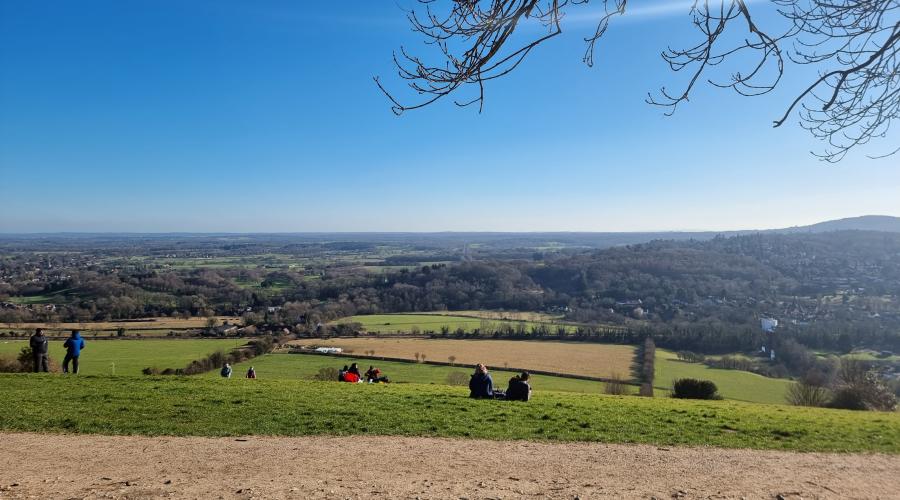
{"type": "Point", "coordinates": [87, 466]}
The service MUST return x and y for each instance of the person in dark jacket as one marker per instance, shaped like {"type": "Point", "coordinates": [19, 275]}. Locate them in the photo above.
{"type": "Point", "coordinates": [518, 389]}
{"type": "Point", "coordinates": [39, 348]}
{"type": "Point", "coordinates": [73, 345]}
{"type": "Point", "coordinates": [481, 385]}
{"type": "Point", "coordinates": [354, 369]}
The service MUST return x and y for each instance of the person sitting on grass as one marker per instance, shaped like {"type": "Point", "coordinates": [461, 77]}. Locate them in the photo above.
{"type": "Point", "coordinates": [226, 371]}
{"type": "Point", "coordinates": [481, 385]}
{"type": "Point", "coordinates": [351, 377]}
{"type": "Point", "coordinates": [372, 374]}
{"type": "Point", "coordinates": [73, 345]}
{"type": "Point", "coordinates": [354, 369]}
{"type": "Point", "coordinates": [518, 389]}
{"type": "Point", "coordinates": [251, 373]}
{"type": "Point", "coordinates": [341, 373]}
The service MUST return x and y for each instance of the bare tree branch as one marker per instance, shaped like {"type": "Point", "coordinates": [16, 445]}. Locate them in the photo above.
{"type": "Point", "coordinates": [854, 99]}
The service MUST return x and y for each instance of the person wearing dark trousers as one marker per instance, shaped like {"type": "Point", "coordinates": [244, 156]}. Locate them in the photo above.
{"type": "Point", "coordinates": [73, 345]}
{"type": "Point", "coordinates": [39, 348]}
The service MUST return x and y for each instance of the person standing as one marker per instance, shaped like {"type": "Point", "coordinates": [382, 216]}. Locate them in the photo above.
{"type": "Point", "coordinates": [39, 348]}
{"type": "Point", "coordinates": [73, 345]}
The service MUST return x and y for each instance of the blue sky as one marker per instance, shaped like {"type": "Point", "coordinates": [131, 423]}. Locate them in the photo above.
{"type": "Point", "coordinates": [257, 116]}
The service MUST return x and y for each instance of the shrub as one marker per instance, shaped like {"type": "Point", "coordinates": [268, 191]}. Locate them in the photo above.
{"type": "Point", "coordinates": [691, 357]}
{"type": "Point", "coordinates": [10, 365]}
{"type": "Point", "coordinates": [690, 388]}
{"type": "Point", "coordinates": [615, 386]}
{"type": "Point", "coordinates": [861, 388]}
{"type": "Point", "coordinates": [732, 363]}
{"type": "Point", "coordinates": [804, 393]}
{"type": "Point", "coordinates": [24, 363]}
{"type": "Point", "coordinates": [457, 378]}
{"type": "Point", "coordinates": [327, 374]}
{"type": "Point", "coordinates": [847, 398]}
{"type": "Point", "coordinates": [151, 371]}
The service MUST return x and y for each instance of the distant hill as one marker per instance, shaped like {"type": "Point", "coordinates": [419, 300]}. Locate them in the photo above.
{"type": "Point", "coordinates": [883, 223]}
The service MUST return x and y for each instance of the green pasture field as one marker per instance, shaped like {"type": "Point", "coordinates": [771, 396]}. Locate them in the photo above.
{"type": "Point", "coordinates": [403, 323]}
{"type": "Point", "coordinates": [305, 366]}
{"type": "Point", "coordinates": [57, 297]}
{"type": "Point", "coordinates": [201, 406]}
{"type": "Point", "coordinates": [732, 384]}
{"type": "Point", "coordinates": [862, 355]}
{"type": "Point", "coordinates": [107, 333]}
{"type": "Point", "coordinates": [129, 357]}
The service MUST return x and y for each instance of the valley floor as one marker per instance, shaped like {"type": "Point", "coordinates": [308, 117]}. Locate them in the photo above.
{"type": "Point", "coordinates": [93, 466]}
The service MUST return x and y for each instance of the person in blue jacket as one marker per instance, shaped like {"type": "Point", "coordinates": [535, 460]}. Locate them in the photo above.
{"type": "Point", "coordinates": [73, 345]}
{"type": "Point", "coordinates": [481, 385]}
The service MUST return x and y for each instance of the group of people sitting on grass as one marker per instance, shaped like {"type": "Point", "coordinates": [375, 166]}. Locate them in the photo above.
{"type": "Point", "coordinates": [351, 374]}
{"type": "Point", "coordinates": [40, 349]}
{"type": "Point", "coordinates": [481, 386]}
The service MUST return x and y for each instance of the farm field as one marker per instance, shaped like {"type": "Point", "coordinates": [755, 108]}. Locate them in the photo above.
{"type": "Point", "coordinates": [501, 315]}
{"type": "Point", "coordinates": [129, 357]}
{"type": "Point", "coordinates": [200, 406]}
{"type": "Point", "coordinates": [305, 366]}
{"type": "Point", "coordinates": [406, 323]}
{"type": "Point", "coordinates": [732, 384]}
{"type": "Point", "coordinates": [144, 324]}
{"type": "Point", "coordinates": [578, 358]}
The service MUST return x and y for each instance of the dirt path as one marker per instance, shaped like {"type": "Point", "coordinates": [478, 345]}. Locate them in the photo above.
{"type": "Point", "coordinates": [76, 466]}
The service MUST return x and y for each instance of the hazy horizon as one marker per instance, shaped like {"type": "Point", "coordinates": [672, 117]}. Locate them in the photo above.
{"type": "Point", "coordinates": [437, 231]}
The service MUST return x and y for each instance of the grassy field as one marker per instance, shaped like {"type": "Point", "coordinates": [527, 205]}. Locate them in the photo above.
{"type": "Point", "coordinates": [501, 315]}
{"type": "Point", "coordinates": [170, 323]}
{"type": "Point", "coordinates": [405, 323]}
{"type": "Point", "coordinates": [579, 358]}
{"type": "Point", "coordinates": [129, 357]}
{"type": "Point", "coordinates": [733, 384]}
{"type": "Point", "coordinates": [305, 366]}
{"type": "Point", "coordinates": [239, 407]}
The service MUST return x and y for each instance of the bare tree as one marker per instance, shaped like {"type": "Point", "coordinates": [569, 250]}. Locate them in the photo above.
{"type": "Point", "coordinates": [854, 45]}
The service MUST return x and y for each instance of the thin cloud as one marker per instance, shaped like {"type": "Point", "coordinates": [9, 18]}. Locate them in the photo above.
{"type": "Point", "coordinates": [641, 12]}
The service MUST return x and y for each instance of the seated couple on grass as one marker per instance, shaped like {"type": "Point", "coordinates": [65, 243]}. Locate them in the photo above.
{"type": "Point", "coordinates": [352, 375]}
{"type": "Point", "coordinates": [481, 386]}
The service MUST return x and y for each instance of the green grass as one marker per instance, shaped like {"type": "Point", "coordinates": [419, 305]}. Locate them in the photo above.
{"type": "Point", "coordinates": [236, 407]}
{"type": "Point", "coordinates": [57, 297]}
{"type": "Point", "coordinates": [732, 384]}
{"type": "Point", "coordinates": [130, 356]}
{"type": "Point", "coordinates": [305, 366]}
{"type": "Point", "coordinates": [404, 323]}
